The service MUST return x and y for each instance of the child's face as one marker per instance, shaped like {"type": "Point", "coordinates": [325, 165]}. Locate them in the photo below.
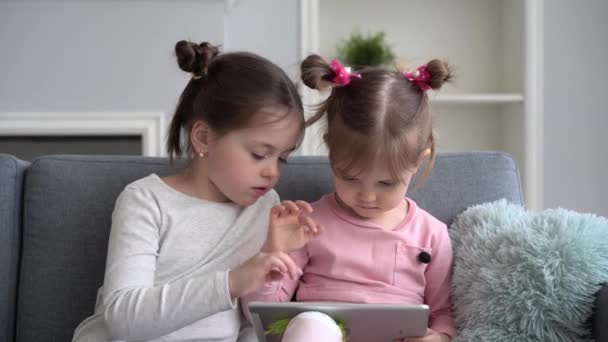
{"type": "Point", "coordinates": [245, 164]}
{"type": "Point", "coordinates": [372, 193]}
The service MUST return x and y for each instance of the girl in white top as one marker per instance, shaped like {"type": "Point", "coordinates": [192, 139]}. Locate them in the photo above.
{"type": "Point", "coordinates": [184, 248]}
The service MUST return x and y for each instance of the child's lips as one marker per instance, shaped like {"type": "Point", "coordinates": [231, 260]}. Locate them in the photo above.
{"type": "Point", "coordinates": [260, 190]}
{"type": "Point", "coordinates": [367, 207]}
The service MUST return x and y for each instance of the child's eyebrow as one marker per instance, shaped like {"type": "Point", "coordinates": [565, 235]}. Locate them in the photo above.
{"type": "Point", "coordinates": [290, 150]}
{"type": "Point", "coordinates": [270, 147]}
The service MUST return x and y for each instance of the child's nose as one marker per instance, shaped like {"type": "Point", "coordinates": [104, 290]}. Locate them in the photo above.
{"type": "Point", "coordinates": [367, 196]}
{"type": "Point", "coordinates": [270, 170]}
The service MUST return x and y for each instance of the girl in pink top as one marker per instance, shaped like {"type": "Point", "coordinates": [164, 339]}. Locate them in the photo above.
{"type": "Point", "coordinates": [378, 246]}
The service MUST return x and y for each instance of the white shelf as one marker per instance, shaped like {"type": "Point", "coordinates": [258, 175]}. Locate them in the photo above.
{"type": "Point", "coordinates": [481, 98]}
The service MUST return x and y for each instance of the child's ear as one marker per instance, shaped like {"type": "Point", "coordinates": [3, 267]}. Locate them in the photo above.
{"type": "Point", "coordinates": [199, 136]}
{"type": "Point", "coordinates": [425, 155]}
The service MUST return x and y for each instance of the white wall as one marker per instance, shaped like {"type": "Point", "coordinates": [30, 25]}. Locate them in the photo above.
{"type": "Point", "coordinates": [576, 113]}
{"type": "Point", "coordinates": [104, 55]}
{"type": "Point", "coordinates": [267, 27]}
{"type": "Point", "coordinates": [98, 55]}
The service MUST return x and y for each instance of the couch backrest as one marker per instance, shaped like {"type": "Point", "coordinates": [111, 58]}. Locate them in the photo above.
{"type": "Point", "coordinates": [69, 200]}
{"type": "Point", "coordinates": [11, 189]}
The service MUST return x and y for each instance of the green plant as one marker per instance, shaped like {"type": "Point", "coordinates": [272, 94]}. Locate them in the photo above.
{"type": "Point", "coordinates": [361, 51]}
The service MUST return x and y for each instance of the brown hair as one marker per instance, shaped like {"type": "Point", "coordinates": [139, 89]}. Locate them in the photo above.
{"type": "Point", "coordinates": [226, 91]}
{"type": "Point", "coordinates": [381, 116]}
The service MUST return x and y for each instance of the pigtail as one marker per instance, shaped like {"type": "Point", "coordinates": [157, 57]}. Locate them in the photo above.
{"type": "Point", "coordinates": [195, 59]}
{"type": "Point", "coordinates": [315, 70]}
{"type": "Point", "coordinates": [440, 73]}
{"type": "Point", "coordinates": [316, 73]}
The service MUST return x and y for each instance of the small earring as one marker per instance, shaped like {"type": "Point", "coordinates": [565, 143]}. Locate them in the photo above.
{"type": "Point", "coordinates": [202, 153]}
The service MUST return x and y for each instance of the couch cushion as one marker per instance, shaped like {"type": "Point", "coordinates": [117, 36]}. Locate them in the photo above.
{"type": "Point", "coordinates": [11, 188]}
{"type": "Point", "coordinates": [69, 201]}
{"type": "Point", "coordinates": [460, 180]}
{"type": "Point", "coordinates": [526, 276]}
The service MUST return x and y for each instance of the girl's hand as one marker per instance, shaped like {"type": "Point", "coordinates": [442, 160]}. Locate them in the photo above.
{"type": "Point", "coordinates": [431, 336]}
{"type": "Point", "coordinates": [290, 227]}
{"type": "Point", "coordinates": [259, 270]}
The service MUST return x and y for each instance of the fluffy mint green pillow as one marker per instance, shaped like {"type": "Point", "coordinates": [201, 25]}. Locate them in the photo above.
{"type": "Point", "coordinates": [524, 276]}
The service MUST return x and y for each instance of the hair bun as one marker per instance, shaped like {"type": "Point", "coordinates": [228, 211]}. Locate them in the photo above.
{"type": "Point", "coordinates": [440, 73]}
{"type": "Point", "coordinates": [195, 58]}
{"type": "Point", "coordinates": [314, 69]}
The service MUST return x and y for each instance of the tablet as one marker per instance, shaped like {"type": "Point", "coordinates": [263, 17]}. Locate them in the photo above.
{"type": "Point", "coordinates": [364, 322]}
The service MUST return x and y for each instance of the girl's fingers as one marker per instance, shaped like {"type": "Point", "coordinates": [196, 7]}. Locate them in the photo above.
{"type": "Point", "coordinates": [291, 207]}
{"type": "Point", "coordinates": [282, 263]}
{"type": "Point", "coordinates": [275, 212]}
{"type": "Point", "coordinates": [274, 263]}
{"type": "Point", "coordinates": [320, 229]}
{"type": "Point", "coordinates": [308, 223]}
{"type": "Point", "coordinates": [304, 206]}
{"type": "Point", "coordinates": [278, 210]}
{"type": "Point", "coordinates": [294, 270]}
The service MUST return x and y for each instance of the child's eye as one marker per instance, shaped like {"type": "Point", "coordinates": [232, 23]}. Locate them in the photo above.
{"type": "Point", "coordinates": [257, 156]}
{"type": "Point", "coordinates": [283, 160]}
{"type": "Point", "coordinates": [349, 179]}
{"type": "Point", "coordinates": [387, 183]}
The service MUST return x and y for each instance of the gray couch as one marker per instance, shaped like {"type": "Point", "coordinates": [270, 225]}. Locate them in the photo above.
{"type": "Point", "coordinates": [52, 262]}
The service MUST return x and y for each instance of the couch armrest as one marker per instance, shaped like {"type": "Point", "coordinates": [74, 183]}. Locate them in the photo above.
{"type": "Point", "coordinates": [12, 171]}
{"type": "Point", "coordinates": [599, 321]}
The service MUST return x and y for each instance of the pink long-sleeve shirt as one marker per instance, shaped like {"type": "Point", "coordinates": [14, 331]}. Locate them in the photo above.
{"type": "Point", "coordinates": [360, 262]}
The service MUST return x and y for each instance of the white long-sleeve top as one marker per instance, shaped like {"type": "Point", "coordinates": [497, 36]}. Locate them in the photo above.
{"type": "Point", "coordinates": [167, 266]}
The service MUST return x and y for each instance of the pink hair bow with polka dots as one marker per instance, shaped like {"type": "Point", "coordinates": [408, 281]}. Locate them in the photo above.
{"type": "Point", "coordinates": [420, 77]}
{"type": "Point", "coordinates": [343, 74]}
